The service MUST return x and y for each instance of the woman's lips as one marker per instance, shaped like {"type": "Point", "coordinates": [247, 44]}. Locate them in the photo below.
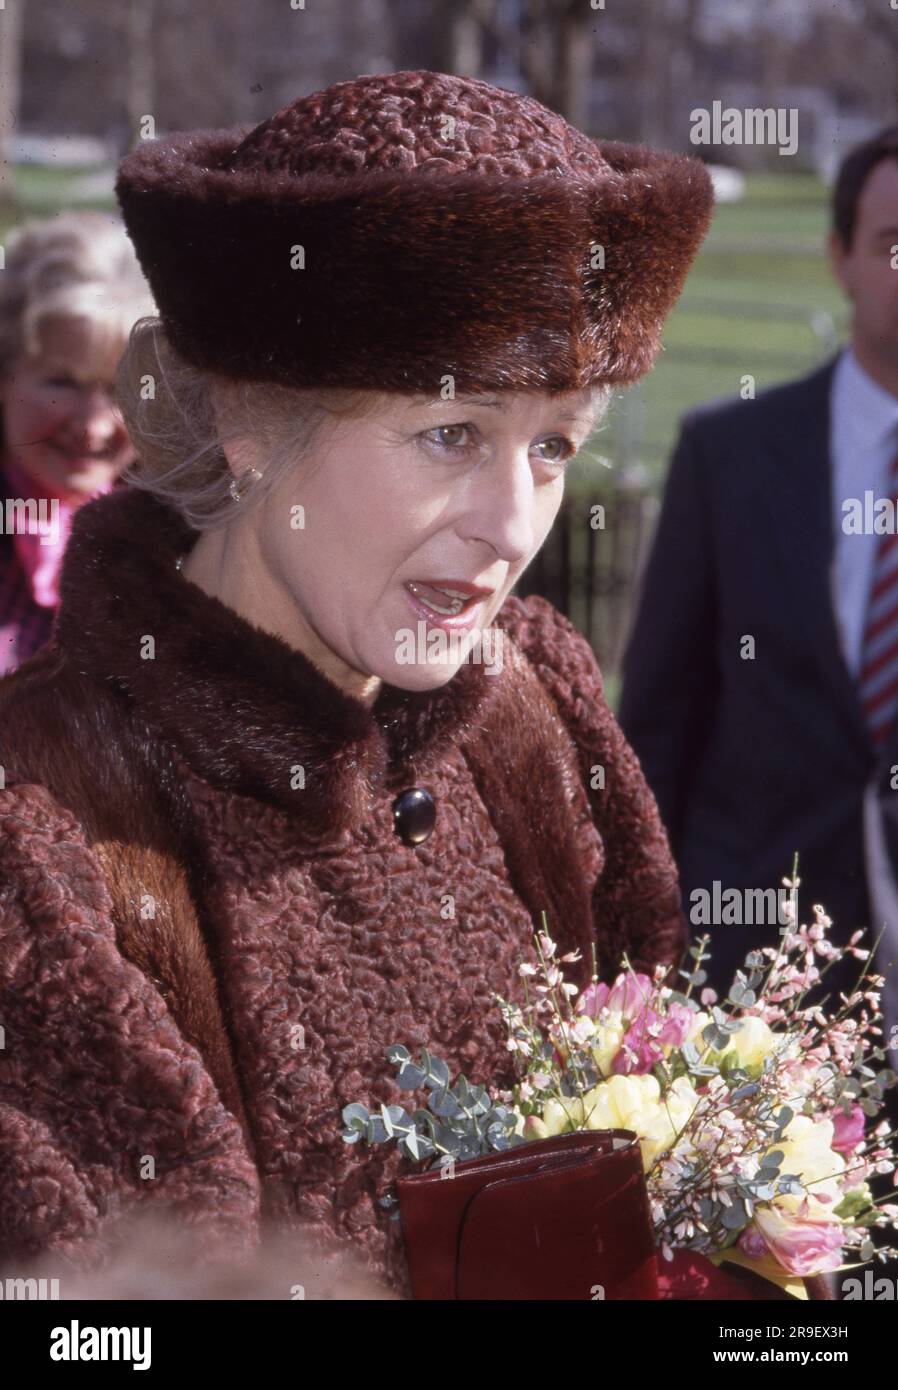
{"type": "Point", "coordinates": [423, 596]}
{"type": "Point", "coordinates": [75, 455]}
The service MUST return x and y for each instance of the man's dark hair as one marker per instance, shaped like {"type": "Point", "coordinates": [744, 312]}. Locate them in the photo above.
{"type": "Point", "coordinates": [853, 173]}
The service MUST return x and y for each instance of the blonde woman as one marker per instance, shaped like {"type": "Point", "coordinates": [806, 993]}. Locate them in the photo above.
{"type": "Point", "coordinates": [70, 292]}
{"type": "Point", "coordinates": [314, 770]}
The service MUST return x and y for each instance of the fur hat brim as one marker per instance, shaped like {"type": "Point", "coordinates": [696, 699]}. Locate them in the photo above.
{"type": "Point", "coordinates": [393, 281]}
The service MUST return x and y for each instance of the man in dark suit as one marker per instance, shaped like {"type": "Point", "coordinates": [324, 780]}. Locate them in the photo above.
{"type": "Point", "coordinates": [761, 680]}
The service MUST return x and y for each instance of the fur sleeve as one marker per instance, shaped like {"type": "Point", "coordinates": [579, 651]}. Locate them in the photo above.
{"type": "Point", "coordinates": [122, 1174]}
{"type": "Point", "coordinates": [103, 1104]}
{"type": "Point", "coordinates": [636, 902]}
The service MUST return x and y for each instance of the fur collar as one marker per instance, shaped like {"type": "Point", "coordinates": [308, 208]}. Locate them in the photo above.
{"type": "Point", "coordinates": [238, 704]}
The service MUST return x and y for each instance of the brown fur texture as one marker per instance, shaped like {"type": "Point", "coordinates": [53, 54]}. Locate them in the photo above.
{"type": "Point", "coordinates": [429, 249]}
{"type": "Point", "coordinates": [201, 966]}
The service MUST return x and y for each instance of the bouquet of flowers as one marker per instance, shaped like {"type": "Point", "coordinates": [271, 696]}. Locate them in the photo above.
{"type": "Point", "coordinates": [758, 1116]}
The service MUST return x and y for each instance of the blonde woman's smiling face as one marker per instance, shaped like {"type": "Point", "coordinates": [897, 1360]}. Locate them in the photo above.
{"type": "Point", "coordinates": [61, 424]}
{"type": "Point", "coordinates": [340, 557]}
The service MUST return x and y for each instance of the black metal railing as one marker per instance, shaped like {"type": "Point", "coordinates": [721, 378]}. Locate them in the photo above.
{"type": "Point", "coordinates": [590, 563]}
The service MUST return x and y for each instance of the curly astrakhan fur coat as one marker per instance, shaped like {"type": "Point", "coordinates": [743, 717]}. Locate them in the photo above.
{"type": "Point", "coordinates": [201, 964]}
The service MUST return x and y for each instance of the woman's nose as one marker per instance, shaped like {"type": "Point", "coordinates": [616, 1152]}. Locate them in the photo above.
{"type": "Point", "coordinates": [503, 510]}
{"type": "Point", "coordinates": [97, 419]}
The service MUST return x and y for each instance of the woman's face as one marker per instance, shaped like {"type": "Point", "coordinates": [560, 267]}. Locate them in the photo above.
{"type": "Point", "coordinates": [60, 424]}
{"type": "Point", "coordinates": [420, 491]}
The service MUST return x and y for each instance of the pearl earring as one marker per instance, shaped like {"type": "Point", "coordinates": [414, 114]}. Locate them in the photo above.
{"type": "Point", "coordinates": [240, 486]}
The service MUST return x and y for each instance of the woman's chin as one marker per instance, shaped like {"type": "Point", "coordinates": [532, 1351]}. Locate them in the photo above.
{"type": "Point", "coordinates": [421, 676]}
{"type": "Point", "coordinates": [85, 482]}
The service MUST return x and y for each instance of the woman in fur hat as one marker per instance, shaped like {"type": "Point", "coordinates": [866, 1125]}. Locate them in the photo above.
{"type": "Point", "coordinates": [263, 813]}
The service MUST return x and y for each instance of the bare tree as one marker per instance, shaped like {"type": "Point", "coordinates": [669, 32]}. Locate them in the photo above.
{"type": "Point", "coordinates": [140, 87]}
{"type": "Point", "coordinates": [11, 30]}
{"type": "Point", "coordinates": [880, 24]}
{"type": "Point", "coordinates": [552, 49]}
{"type": "Point", "coordinates": [560, 46]}
{"type": "Point", "coordinates": [550, 45]}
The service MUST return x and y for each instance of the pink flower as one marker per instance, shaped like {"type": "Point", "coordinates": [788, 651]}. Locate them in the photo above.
{"type": "Point", "coordinates": [801, 1247]}
{"type": "Point", "coordinates": [848, 1130]}
{"type": "Point", "coordinates": [649, 1034]}
{"type": "Point", "coordinates": [753, 1243]}
{"type": "Point", "coordinates": [627, 996]}
{"type": "Point", "coordinates": [639, 1051]}
{"type": "Point", "coordinates": [676, 1026]}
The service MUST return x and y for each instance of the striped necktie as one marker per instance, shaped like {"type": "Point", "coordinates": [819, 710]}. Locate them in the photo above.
{"type": "Point", "coordinates": [878, 680]}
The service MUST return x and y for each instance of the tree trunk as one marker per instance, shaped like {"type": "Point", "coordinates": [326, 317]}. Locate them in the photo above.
{"type": "Point", "coordinates": [12, 15]}
{"type": "Point", "coordinates": [465, 37]}
{"type": "Point", "coordinates": [574, 67]}
{"type": "Point", "coordinates": [141, 85]}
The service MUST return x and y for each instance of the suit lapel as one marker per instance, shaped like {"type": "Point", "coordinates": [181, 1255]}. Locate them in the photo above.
{"type": "Point", "coordinates": [795, 491]}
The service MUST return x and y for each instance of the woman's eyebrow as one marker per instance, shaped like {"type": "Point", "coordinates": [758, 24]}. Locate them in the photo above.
{"type": "Point", "coordinates": [495, 403]}
{"type": "Point", "coordinates": [491, 402]}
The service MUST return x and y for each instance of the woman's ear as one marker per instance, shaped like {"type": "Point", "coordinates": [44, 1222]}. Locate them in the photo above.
{"type": "Point", "coordinates": [242, 449]}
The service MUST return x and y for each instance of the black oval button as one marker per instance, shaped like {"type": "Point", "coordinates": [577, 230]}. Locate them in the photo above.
{"type": "Point", "coordinates": [414, 815]}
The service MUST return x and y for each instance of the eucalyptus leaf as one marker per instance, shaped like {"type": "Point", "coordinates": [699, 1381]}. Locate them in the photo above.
{"type": "Point", "coordinates": [445, 1105]}
{"type": "Point", "coordinates": [735, 1216]}
{"type": "Point", "coordinates": [410, 1077]}
{"type": "Point", "coordinates": [437, 1071]}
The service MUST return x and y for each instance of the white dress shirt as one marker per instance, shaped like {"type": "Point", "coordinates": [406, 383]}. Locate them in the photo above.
{"type": "Point", "coordinates": [863, 446]}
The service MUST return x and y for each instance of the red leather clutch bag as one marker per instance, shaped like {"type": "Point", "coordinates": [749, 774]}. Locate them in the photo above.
{"type": "Point", "coordinates": [560, 1218]}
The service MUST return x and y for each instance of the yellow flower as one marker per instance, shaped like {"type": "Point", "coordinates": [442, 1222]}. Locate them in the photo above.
{"type": "Point", "coordinates": [699, 1021]}
{"type": "Point", "coordinates": [752, 1042]}
{"type": "Point", "coordinates": [634, 1102]}
{"type": "Point", "coordinates": [599, 1036]}
{"type": "Point", "coordinates": [621, 1102]}
{"type": "Point", "coordinates": [807, 1151]}
{"type": "Point", "coordinates": [563, 1114]}
{"type": "Point", "coordinates": [605, 1042]}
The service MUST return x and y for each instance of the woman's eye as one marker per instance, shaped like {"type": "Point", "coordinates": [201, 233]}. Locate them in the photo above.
{"type": "Point", "coordinates": [560, 448]}
{"type": "Point", "coordinates": [448, 436]}
{"type": "Point", "coordinates": [555, 449]}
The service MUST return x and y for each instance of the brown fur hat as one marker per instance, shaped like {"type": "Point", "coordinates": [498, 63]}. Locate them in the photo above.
{"type": "Point", "coordinates": [393, 230]}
